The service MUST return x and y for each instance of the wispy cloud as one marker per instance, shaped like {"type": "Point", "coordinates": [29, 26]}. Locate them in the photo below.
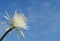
{"type": "Point", "coordinates": [44, 15]}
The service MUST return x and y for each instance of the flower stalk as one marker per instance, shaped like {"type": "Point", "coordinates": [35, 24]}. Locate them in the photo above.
{"type": "Point", "coordinates": [4, 35]}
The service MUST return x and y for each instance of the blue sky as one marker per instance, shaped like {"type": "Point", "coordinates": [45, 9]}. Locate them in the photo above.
{"type": "Point", "coordinates": [43, 16]}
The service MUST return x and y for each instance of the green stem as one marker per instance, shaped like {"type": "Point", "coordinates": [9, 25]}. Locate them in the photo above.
{"type": "Point", "coordinates": [6, 33]}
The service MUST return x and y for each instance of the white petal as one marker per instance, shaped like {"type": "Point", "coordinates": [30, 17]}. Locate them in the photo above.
{"type": "Point", "coordinates": [25, 27]}
{"type": "Point", "coordinates": [7, 14]}
{"type": "Point", "coordinates": [7, 29]}
{"type": "Point", "coordinates": [6, 17]}
{"type": "Point", "coordinates": [9, 19]}
{"type": "Point", "coordinates": [4, 23]}
{"type": "Point", "coordinates": [17, 31]}
{"type": "Point", "coordinates": [22, 34]}
{"type": "Point", "coordinates": [17, 36]}
{"type": "Point", "coordinates": [16, 13]}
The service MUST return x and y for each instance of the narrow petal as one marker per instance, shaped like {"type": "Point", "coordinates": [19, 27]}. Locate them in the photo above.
{"type": "Point", "coordinates": [7, 14]}
{"type": "Point", "coordinates": [25, 27]}
{"type": "Point", "coordinates": [9, 19]}
{"type": "Point", "coordinates": [17, 36]}
{"type": "Point", "coordinates": [17, 31]}
{"type": "Point", "coordinates": [16, 13]}
{"type": "Point", "coordinates": [4, 23]}
{"type": "Point", "coordinates": [7, 29]}
{"type": "Point", "coordinates": [6, 17]}
{"type": "Point", "coordinates": [22, 34]}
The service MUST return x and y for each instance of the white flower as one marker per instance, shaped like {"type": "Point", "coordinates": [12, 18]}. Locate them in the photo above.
{"type": "Point", "coordinates": [18, 20]}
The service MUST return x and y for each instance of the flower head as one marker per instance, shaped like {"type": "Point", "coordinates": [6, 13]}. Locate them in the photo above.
{"type": "Point", "coordinates": [18, 21]}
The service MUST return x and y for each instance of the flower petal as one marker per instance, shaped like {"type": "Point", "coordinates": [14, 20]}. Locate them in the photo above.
{"type": "Point", "coordinates": [7, 14]}
{"type": "Point", "coordinates": [6, 17]}
{"type": "Point", "coordinates": [7, 29]}
{"type": "Point", "coordinates": [22, 34]}
{"type": "Point", "coordinates": [25, 27]}
{"type": "Point", "coordinates": [17, 36]}
{"type": "Point", "coordinates": [4, 23]}
{"type": "Point", "coordinates": [17, 31]}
